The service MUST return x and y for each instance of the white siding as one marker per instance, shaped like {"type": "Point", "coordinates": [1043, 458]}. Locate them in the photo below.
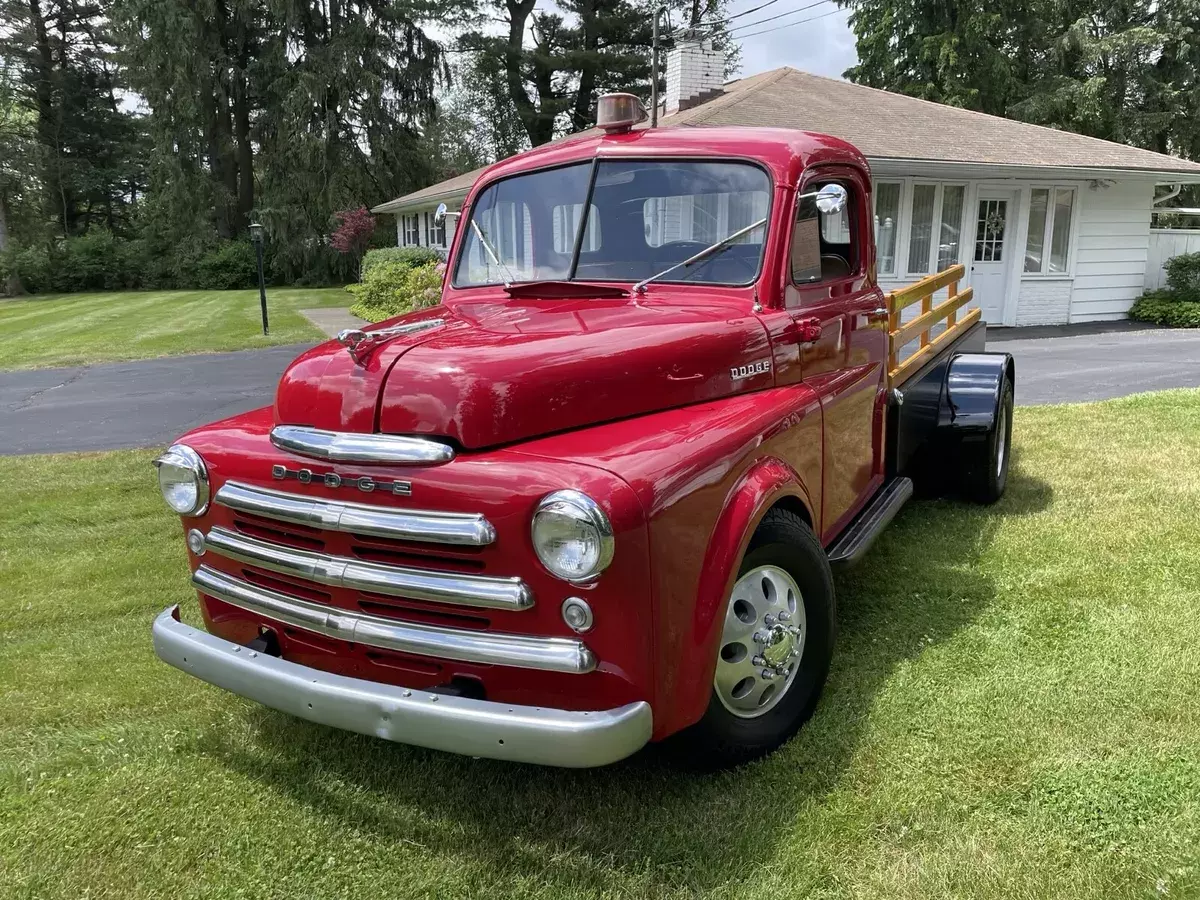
{"type": "Point", "coordinates": [1165, 243]}
{"type": "Point", "coordinates": [1111, 250]}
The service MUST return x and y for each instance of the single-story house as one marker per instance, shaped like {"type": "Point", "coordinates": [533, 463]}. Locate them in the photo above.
{"type": "Point", "coordinates": [1053, 227]}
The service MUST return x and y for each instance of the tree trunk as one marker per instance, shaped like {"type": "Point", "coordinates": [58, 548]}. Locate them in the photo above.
{"type": "Point", "coordinates": [581, 117]}
{"type": "Point", "coordinates": [12, 284]}
{"type": "Point", "coordinates": [48, 119]}
{"type": "Point", "coordinates": [241, 124]}
{"type": "Point", "coordinates": [539, 128]}
{"type": "Point", "coordinates": [216, 158]}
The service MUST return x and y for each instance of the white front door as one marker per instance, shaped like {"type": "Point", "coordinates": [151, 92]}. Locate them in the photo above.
{"type": "Point", "coordinates": [995, 224]}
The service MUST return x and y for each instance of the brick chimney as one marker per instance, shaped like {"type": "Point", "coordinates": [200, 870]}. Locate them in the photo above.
{"type": "Point", "coordinates": [695, 74]}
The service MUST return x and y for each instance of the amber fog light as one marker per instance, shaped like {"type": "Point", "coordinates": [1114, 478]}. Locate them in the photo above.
{"type": "Point", "coordinates": [572, 536]}
{"type": "Point", "coordinates": [183, 480]}
{"type": "Point", "coordinates": [577, 614]}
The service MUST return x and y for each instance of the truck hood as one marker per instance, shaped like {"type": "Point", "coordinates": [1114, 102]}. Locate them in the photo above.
{"type": "Point", "coordinates": [504, 370]}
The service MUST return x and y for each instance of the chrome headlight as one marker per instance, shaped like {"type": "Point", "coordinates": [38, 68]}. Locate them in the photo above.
{"type": "Point", "coordinates": [572, 536]}
{"type": "Point", "coordinates": [183, 480]}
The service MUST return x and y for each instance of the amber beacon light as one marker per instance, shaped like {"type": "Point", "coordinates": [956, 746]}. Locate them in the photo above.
{"type": "Point", "coordinates": [617, 113]}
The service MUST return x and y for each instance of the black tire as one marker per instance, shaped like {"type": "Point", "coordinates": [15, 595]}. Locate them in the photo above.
{"type": "Point", "coordinates": [722, 739]}
{"type": "Point", "coordinates": [985, 462]}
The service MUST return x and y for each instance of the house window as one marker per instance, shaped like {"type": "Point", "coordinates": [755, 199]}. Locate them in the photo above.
{"type": "Point", "coordinates": [935, 237]}
{"type": "Point", "coordinates": [703, 218]}
{"type": "Point", "coordinates": [438, 232]}
{"type": "Point", "coordinates": [887, 225]}
{"type": "Point", "coordinates": [412, 230]}
{"type": "Point", "coordinates": [565, 221]}
{"type": "Point", "coordinates": [1050, 211]}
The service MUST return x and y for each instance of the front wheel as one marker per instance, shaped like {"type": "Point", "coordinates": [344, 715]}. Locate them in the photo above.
{"type": "Point", "coordinates": [775, 647]}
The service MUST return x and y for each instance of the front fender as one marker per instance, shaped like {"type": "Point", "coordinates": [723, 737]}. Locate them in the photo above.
{"type": "Point", "coordinates": [768, 482]}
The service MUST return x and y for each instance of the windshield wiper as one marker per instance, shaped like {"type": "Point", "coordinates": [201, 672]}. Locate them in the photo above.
{"type": "Point", "coordinates": [640, 287]}
{"type": "Point", "coordinates": [487, 245]}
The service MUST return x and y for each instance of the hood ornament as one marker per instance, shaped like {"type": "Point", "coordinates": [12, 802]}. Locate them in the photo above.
{"type": "Point", "coordinates": [358, 342]}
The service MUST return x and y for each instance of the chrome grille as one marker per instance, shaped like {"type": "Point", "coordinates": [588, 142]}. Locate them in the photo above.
{"type": "Point", "coordinates": [395, 581]}
{"type": "Point", "coordinates": [414, 597]}
{"type": "Point", "coordinates": [423, 526]}
{"type": "Point", "coordinates": [547, 654]}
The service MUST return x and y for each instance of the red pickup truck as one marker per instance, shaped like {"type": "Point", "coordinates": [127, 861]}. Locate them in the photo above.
{"type": "Point", "coordinates": [595, 497]}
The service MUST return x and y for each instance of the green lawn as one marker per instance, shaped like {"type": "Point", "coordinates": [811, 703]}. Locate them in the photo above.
{"type": "Point", "coordinates": [73, 329]}
{"type": "Point", "coordinates": [1014, 712]}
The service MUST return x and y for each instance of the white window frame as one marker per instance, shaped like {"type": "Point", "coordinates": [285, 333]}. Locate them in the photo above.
{"type": "Point", "coordinates": [906, 212]}
{"type": "Point", "coordinates": [412, 230]}
{"type": "Point", "coordinates": [1068, 267]}
{"type": "Point", "coordinates": [897, 224]}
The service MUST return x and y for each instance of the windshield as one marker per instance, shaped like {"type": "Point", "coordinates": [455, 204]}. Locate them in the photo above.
{"type": "Point", "coordinates": [643, 216]}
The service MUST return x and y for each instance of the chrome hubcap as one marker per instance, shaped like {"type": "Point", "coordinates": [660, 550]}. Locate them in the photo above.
{"type": "Point", "coordinates": [1001, 440]}
{"type": "Point", "coordinates": [761, 643]}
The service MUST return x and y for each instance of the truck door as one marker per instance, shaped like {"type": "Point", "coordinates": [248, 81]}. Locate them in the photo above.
{"type": "Point", "coordinates": [840, 318]}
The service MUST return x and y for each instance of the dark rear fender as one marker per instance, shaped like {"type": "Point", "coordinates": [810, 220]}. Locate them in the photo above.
{"type": "Point", "coordinates": [972, 395]}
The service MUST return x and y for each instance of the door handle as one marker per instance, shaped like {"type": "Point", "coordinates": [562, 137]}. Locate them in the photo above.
{"type": "Point", "coordinates": [805, 332]}
{"type": "Point", "coordinates": [878, 315]}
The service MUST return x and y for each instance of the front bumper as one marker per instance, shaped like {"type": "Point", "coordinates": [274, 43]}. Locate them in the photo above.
{"type": "Point", "coordinates": [532, 734]}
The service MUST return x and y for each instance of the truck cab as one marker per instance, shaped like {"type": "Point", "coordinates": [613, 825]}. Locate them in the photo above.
{"type": "Point", "coordinates": [595, 496]}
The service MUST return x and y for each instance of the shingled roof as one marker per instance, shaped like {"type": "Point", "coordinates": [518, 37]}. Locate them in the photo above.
{"type": "Point", "coordinates": [887, 126]}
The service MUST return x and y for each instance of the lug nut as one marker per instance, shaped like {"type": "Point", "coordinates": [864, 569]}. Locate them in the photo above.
{"type": "Point", "coordinates": [759, 637]}
{"type": "Point", "coordinates": [769, 674]}
{"type": "Point", "coordinates": [785, 616]}
{"type": "Point", "coordinates": [769, 620]}
{"type": "Point", "coordinates": [758, 661]}
{"type": "Point", "coordinates": [795, 631]}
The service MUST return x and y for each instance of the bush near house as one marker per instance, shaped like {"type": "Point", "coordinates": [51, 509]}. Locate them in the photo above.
{"type": "Point", "coordinates": [1165, 308]}
{"type": "Point", "coordinates": [408, 256]}
{"type": "Point", "coordinates": [1178, 304]}
{"type": "Point", "coordinates": [393, 287]}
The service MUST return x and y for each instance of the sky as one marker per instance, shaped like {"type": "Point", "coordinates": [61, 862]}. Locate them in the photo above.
{"type": "Point", "coordinates": [823, 46]}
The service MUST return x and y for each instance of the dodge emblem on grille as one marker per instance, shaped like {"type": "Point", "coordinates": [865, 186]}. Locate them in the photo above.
{"type": "Point", "coordinates": [364, 483]}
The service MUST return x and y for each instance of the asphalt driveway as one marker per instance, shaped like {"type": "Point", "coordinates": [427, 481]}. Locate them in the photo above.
{"type": "Point", "coordinates": [149, 402]}
{"type": "Point", "coordinates": [145, 403]}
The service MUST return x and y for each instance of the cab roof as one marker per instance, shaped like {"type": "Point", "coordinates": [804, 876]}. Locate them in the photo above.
{"type": "Point", "coordinates": [784, 151]}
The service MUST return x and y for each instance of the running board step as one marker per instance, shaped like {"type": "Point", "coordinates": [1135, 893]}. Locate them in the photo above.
{"type": "Point", "coordinates": [858, 537]}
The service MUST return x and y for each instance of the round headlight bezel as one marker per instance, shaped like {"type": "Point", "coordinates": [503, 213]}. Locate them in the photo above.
{"type": "Point", "coordinates": [588, 512]}
{"type": "Point", "coordinates": [181, 457]}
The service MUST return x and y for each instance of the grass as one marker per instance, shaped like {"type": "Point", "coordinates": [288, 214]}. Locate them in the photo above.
{"type": "Point", "coordinates": [1012, 713]}
{"type": "Point", "coordinates": [79, 329]}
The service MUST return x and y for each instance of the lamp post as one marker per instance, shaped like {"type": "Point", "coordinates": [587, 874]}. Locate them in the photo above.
{"type": "Point", "coordinates": [256, 235]}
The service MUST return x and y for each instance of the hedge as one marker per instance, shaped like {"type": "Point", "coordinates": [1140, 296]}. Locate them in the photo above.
{"type": "Point", "coordinates": [101, 261]}
{"type": "Point", "coordinates": [1183, 276]}
{"type": "Point", "coordinates": [1166, 308]}
{"type": "Point", "coordinates": [407, 256]}
{"type": "Point", "coordinates": [392, 288]}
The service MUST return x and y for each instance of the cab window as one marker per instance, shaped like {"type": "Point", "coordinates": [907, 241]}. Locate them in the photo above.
{"type": "Point", "coordinates": [823, 244]}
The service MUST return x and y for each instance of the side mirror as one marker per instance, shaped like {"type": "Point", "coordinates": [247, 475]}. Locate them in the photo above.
{"type": "Point", "coordinates": [831, 199]}
{"type": "Point", "coordinates": [442, 213]}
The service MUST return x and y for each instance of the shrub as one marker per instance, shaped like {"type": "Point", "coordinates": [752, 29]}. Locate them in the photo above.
{"type": "Point", "coordinates": [229, 265]}
{"type": "Point", "coordinates": [407, 256]}
{"type": "Point", "coordinates": [392, 288]}
{"type": "Point", "coordinates": [1166, 308]}
{"type": "Point", "coordinates": [96, 261]}
{"type": "Point", "coordinates": [1183, 276]}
